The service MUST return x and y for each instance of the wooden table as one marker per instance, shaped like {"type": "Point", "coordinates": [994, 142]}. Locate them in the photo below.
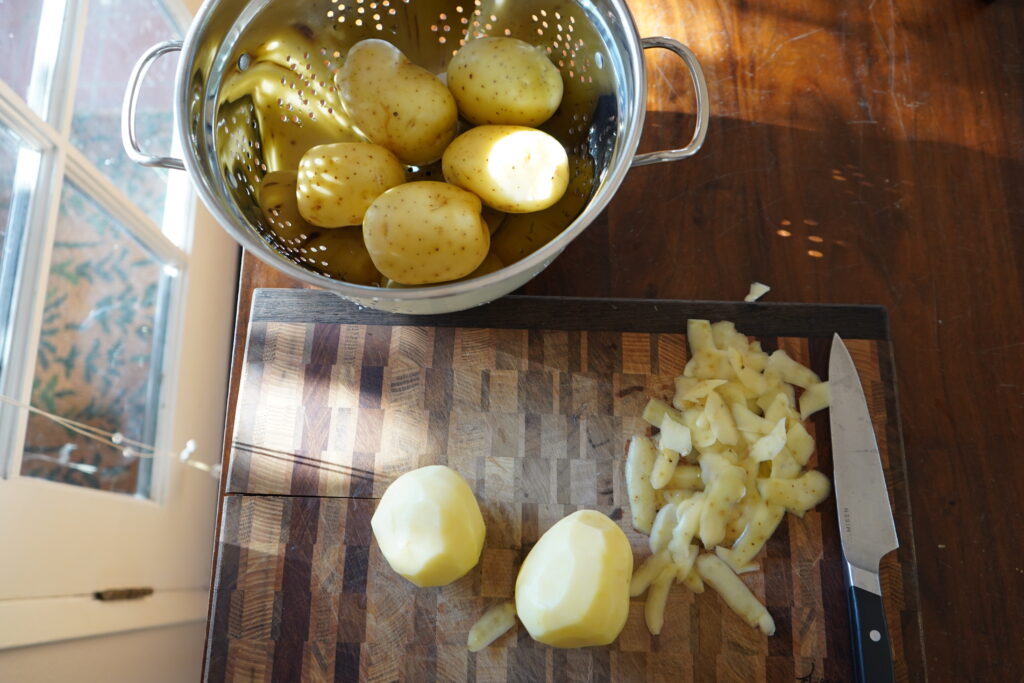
{"type": "Point", "coordinates": [858, 153]}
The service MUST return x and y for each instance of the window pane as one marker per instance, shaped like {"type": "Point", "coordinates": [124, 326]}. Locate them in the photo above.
{"type": "Point", "coordinates": [19, 27]}
{"type": "Point", "coordinates": [103, 75]}
{"type": "Point", "coordinates": [8, 165]}
{"type": "Point", "coordinates": [100, 350]}
{"type": "Point", "coordinates": [19, 168]}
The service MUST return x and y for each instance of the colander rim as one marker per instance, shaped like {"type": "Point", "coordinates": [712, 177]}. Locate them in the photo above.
{"type": "Point", "coordinates": [538, 260]}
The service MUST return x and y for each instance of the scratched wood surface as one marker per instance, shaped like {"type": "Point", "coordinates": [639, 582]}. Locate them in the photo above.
{"type": "Point", "coordinates": [537, 420]}
{"type": "Point", "coordinates": [888, 139]}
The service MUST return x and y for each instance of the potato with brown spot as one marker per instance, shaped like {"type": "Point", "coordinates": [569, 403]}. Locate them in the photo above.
{"type": "Point", "coordinates": [504, 81]}
{"type": "Point", "coordinates": [425, 232]}
{"type": "Point", "coordinates": [337, 183]}
{"type": "Point", "coordinates": [397, 104]}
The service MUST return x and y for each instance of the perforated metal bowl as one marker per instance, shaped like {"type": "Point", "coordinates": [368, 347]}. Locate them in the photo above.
{"type": "Point", "coordinates": [233, 136]}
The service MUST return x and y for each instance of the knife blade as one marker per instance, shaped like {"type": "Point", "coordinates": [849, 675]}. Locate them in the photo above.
{"type": "Point", "coordinates": [866, 527]}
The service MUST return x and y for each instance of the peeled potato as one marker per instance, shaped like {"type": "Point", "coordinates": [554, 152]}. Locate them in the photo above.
{"type": "Point", "coordinates": [429, 526]}
{"type": "Point", "coordinates": [504, 80]}
{"type": "Point", "coordinates": [511, 168]}
{"type": "Point", "coordinates": [337, 183]}
{"type": "Point", "coordinates": [424, 232]}
{"type": "Point", "coordinates": [397, 104]}
{"type": "Point", "coordinates": [573, 587]}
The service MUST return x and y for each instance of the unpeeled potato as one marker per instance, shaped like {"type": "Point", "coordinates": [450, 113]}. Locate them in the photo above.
{"type": "Point", "coordinates": [511, 168]}
{"type": "Point", "coordinates": [397, 104]}
{"type": "Point", "coordinates": [337, 183]}
{"type": "Point", "coordinates": [504, 81]}
{"type": "Point", "coordinates": [425, 232]}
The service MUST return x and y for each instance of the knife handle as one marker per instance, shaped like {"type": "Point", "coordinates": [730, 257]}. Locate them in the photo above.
{"type": "Point", "coordinates": [872, 653]}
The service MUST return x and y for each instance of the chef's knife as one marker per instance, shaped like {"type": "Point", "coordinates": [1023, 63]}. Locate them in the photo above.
{"type": "Point", "coordinates": [866, 526]}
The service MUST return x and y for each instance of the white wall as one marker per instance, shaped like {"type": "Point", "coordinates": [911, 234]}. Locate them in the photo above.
{"type": "Point", "coordinates": [172, 654]}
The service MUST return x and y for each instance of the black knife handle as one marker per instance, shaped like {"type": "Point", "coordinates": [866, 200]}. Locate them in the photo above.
{"type": "Point", "coordinates": [872, 653]}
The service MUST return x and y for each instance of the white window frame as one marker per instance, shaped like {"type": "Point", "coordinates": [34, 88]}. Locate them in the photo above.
{"type": "Point", "coordinates": [30, 611]}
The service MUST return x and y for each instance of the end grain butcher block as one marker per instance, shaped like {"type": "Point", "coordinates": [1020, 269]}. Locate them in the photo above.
{"type": "Point", "coordinates": [533, 401]}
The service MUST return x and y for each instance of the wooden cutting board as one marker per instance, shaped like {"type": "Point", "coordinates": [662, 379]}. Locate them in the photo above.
{"type": "Point", "coordinates": [533, 401]}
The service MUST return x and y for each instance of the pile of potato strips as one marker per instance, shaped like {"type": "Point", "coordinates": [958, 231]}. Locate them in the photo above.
{"type": "Point", "coordinates": [725, 464]}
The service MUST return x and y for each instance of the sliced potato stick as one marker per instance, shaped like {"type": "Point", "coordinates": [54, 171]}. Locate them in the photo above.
{"type": "Point", "coordinates": [728, 483]}
{"type": "Point", "coordinates": [785, 466]}
{"type": "Point", "coordinates": [734, 592]}
{"type": "Point", "coordinates": [800, 443]}
{"type": "Point", "coordinates": [796, 495]}
{"type": "Point", "coordinates": [726, 337]}
{"type": "Point", "coordinates": [654, 606]}
{"type": "Point", "coordinates": [768, 446]}
{"type": "Point", "coordinates": [754, 357]}
{"type": "Point", "coordinates": [494, 623]}
{"type": "Point", "coordinates": [664, 467]}
{"type": "Point", "coordinates": [746, 420]}
{"type": "Point", "coordinates": [693, 390]}
{"type": "Point", "coordinates": [686, 477]}
{"type": "Point", "coordinates": [693, 581]}
{"type": "Point", "coordinates": [791, 371]}
{"type": "Point", "coordinates": [682, 550]}
{"type": "Point", "coordinates": [683, 385]}
{"type": "Point", "coordinates": [734, 392]}
{"type": "Point", "coordinates": [720, 417]}
{"type": "Point", "coordinates": [675, 435]}
{"type": "Point", "coordinates": [781, 407]}
{"type": "Point", "coordinates": [714, 517]}
{"type": "Point", "coordinates": [699, 336]}
{"type": "Point", "coordinates": [712, 363]}
{"type": "Point", "coordinates": [814, 398]}
{"type": "Point", "coordinates": [750, 378]}
{"type": "Point", "coordinates": [661, 530]}
{"type": "Point", "coordinates": [656, 410]}
{"type": "Point", "coordinates": [759, 529]}
{"type": "Point", "coordinates": [676, 496]}
{"type": "Point", "coordinates": [757, 290]}
{"type": "Point", "coordinates": [639, 462]}
{"type": "Point", "coordinates": [701, 433]}
{"type": "Point", "coordinates": [647, 572]}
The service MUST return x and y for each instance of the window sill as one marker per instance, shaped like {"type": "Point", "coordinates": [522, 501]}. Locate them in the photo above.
{"type": "Point", "coordinates": [46, 620]}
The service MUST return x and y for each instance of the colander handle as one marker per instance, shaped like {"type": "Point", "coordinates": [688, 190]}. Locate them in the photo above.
{"type": "Point", "coordinates": [700, 88]}
{"type": "Point", "coordinates": [131, 102]}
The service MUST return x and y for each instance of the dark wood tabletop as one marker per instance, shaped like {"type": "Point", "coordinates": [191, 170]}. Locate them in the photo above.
{"type": "Point", "coordinates": [869, 153]}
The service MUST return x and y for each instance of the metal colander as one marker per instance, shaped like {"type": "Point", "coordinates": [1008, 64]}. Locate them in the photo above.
{"type": "Point", "coordinates": [255, 89]}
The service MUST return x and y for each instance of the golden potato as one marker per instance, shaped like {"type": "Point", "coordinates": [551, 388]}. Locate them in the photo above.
{"type": "Point", "coordinates": [337, 183]}
{"type": "Point", "coordinates": [341, 254]}
{"type": "Point", "coordinates": [425, 232]}
{"type": "Point", "coordinates": [506, 81]}
{"type": "Point", "coordinates": [511, 168]}
{"type": "Point", "coordinates": [396, 103]}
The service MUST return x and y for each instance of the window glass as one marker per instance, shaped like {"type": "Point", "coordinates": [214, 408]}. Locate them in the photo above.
{"type": "Point", "coordinates": [8, 165]}
{"type": "Point", "coordinates": [100, 350]}
{"type": "Point", "coordinates": [116, 34]}
{"type": "Point", "coordinates": [19, 28]}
